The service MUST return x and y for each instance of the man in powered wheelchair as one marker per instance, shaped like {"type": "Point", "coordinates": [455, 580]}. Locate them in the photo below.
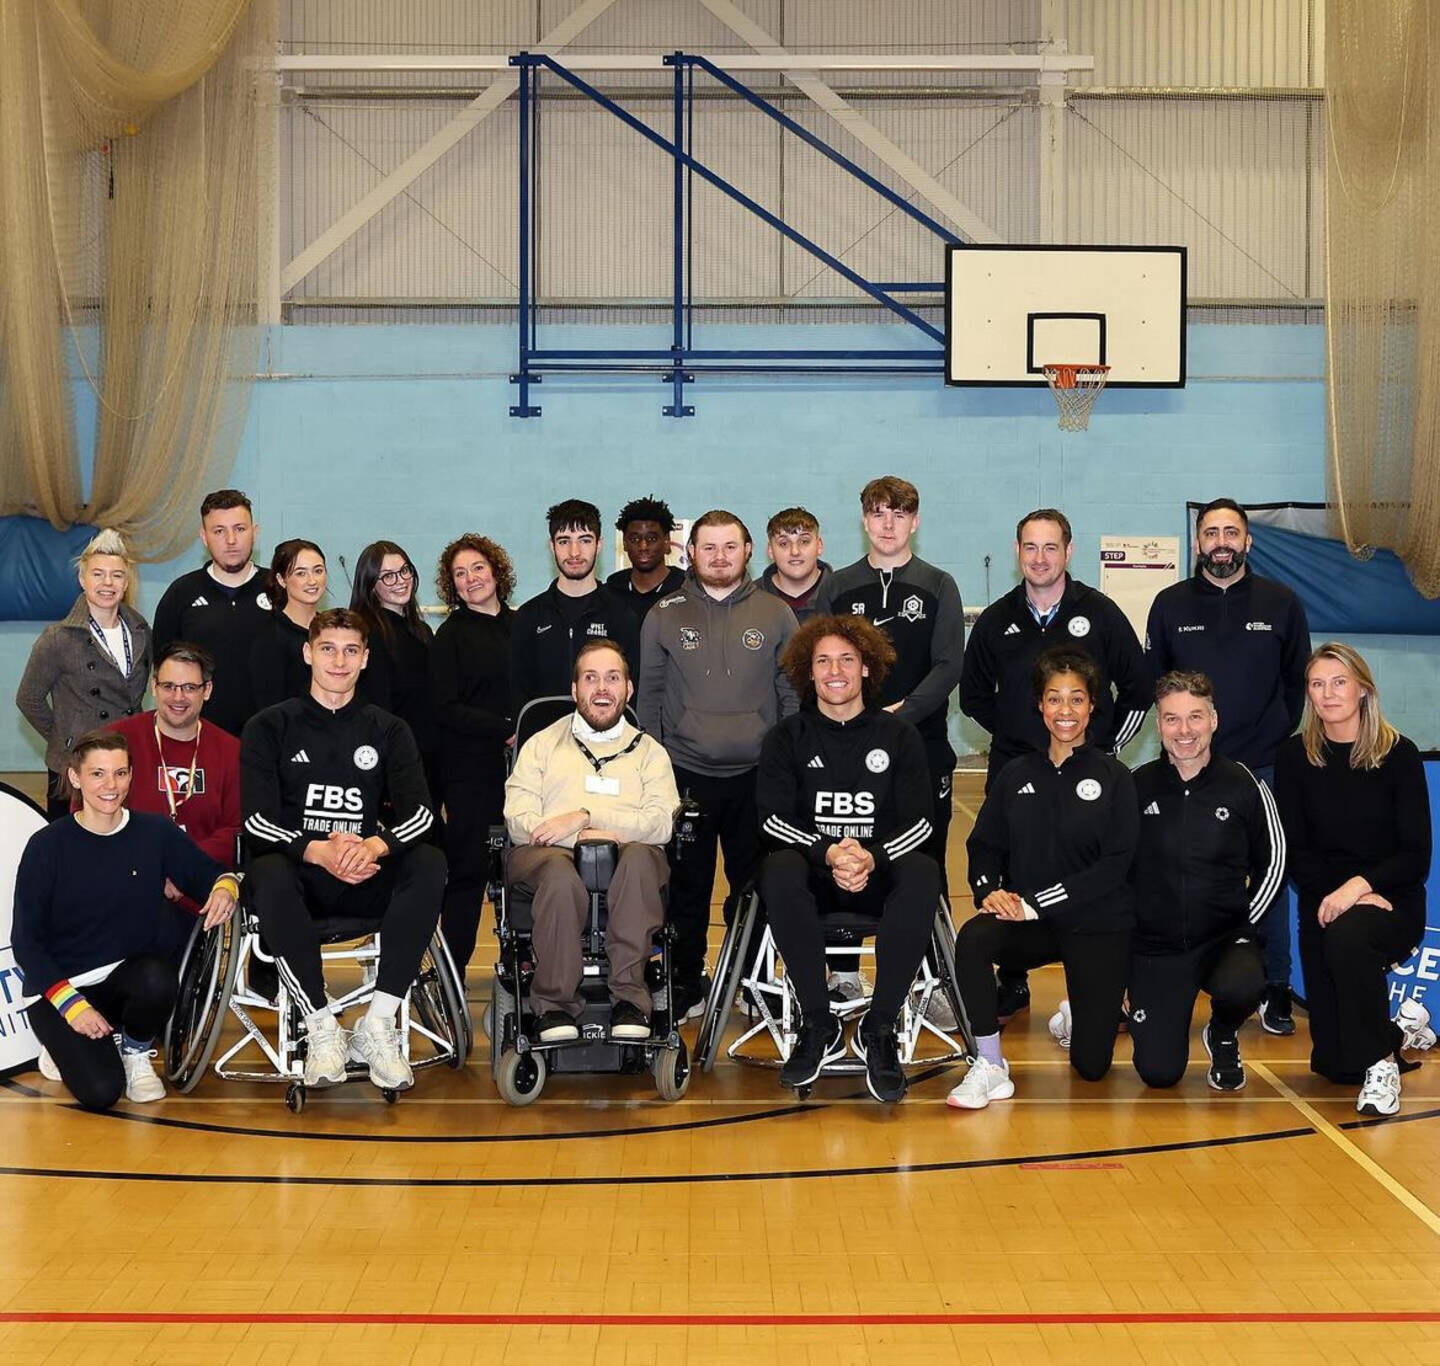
{"type": "Point", "coordinates": [589, 808]}
{"type": "Point", "coordinates": [336, 814]}
{"type": "Point", "coordinates": [845, 805]}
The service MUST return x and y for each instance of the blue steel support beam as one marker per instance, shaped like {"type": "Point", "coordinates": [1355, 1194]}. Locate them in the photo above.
{"type": "Point", "coordinates": [677, 406]}
{"type": "Point", "coordinates": [524, 376]}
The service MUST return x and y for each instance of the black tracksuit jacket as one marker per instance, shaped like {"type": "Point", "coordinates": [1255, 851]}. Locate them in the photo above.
{"type": "Point", "coordinates": [544, 642]}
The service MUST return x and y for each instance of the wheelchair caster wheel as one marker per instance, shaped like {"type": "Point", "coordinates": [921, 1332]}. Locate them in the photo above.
{"type": "Point", "coordinates": [295, 1098]}
{"type": "Point", "coordinates": [487, 1020]}
{"type": "Point", "coordinates": [671, 1070]}
{"type": "Point", "coordinates": [803, 1092]}
{"type": "Point", "coordinates": [520, 1077]}
{"type": "Point", "coordinates": [391, 1095]}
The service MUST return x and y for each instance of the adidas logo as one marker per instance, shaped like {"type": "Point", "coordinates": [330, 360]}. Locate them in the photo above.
{"type": "Point", "coordinates": [1152, 810]}
{"type": "Point", "coordinates": [1011, 630]}
{"type": "Point", "coordinates": [816, 762]}
{"type": "Point", "coordinates": [300, 757]}
{"type": "Point", "coordinates": [1021, 791]}
{"type": "Point", "coordinates": [201, 601]}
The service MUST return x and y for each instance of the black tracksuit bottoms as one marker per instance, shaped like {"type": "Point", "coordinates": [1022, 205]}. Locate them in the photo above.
{"type": "Point", "coordinates": [402, 899]}
{"type": "Point", "coordinates": [904, 897]}
{"type": "Point", "coordinates": [1096, 967]}
{"type": "Point", "coordinates": [728, 818]}
{"type": "Point", "coordinates": [1163, 988]}
{"type": "Point", "coordinates": [136, 999]}
{"type": "Point", "coordinates": [471, 809]}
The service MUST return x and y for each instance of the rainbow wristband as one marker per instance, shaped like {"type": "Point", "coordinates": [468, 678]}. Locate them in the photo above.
{"type": "Point", "coordinates": [69, 1002]}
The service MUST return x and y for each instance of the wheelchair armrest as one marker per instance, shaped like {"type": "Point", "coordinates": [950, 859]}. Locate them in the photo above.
{"type": "Point", "coordinates": [595, 861]}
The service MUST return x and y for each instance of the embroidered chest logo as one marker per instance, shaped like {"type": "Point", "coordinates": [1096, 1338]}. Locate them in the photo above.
{"type": "Point", "coordinates": [180, 783]}
{"type": "Point", "coordinates": [596, 628]}
{"type": "Point", "coordinates": [913, 608]}
{"type": "Point", "coordinates": [262, 601]}
{"type": "Point", "coordinates": [857, 609]}
{"type": "Point", "coordinates": [1078, 626]}
{"type": "Point", "coordinates": [753, 639]}
{"type": "Point", "coordinates": [689, 638]}
{"type": "Point", "coordinates": [877, 761]}
{"type": "Point", "coordinates": [366, 757]}
{"type": "Point", "coordinates": [1088, 790]}
{"type": "Point", "coordinates": [1258, 626]}
{"type": "Point", "coordinates": [1222, 813]}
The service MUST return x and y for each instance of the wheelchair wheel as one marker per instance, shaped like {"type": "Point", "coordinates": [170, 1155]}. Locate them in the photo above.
{"type": "Point", "coordinates": [520, 1077]}
{"type": "Point", "coordinates": [671, 1070]}
{"type": "Point", "coordinates": [206, 981]}
{"type": "Point", "coordinates": [435, 1000]}
{"type": "Point", "coordinates": [295, 1097]}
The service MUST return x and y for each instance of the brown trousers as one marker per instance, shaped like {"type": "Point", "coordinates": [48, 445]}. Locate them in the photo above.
{"type": "Point", "coordinates": [561, 907]}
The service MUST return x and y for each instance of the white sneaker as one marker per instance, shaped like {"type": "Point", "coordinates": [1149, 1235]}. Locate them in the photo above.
{"type": "Point", "coordinates": [1414, 1022]}
{"type": "Point", "coordinates": [376, 1043]}
{"type": "Point", "coordinates": [48, 1070]}
{"type": "Point", "coordinates": [1060, 1024]}
{"type": "Point", "coordinates": [325, 1050]}
{"type": "Point", "coordinates": [984, 1082]}
{"type": "Point", "coordinates": [141, 1083]}
{"type": "Point", "coordinates": [1380, 1095]}
{"type": "Point", "coordinates": [845, 987]}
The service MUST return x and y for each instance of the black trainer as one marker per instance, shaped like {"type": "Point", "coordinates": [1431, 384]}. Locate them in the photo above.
{"type": "Point", "coordinates": [555, 1026]}
{"type": "Point", "coordinates": [1227, 1072]}
{"type": "Point", "coordinates": [816, 1044]}
{"type": "Point", "coordinates": [884, 1077]}
{"type": "Point", "coordinates": [628, 1022]}
{"type": "Point", "coordinates": [1012, 994]}
{"type": "Point", "coordinates": [1275, 1017]}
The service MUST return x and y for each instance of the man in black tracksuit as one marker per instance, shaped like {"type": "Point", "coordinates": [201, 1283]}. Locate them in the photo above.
{"type": "Point", "coordinates": [1210, 860]}
{"type": "Point", "coordinates": [336, 814]}
{"type": "Point", "coordinates": [1249, 636]}
{"type": "Point", "coordinates": [549, 630]}
{"type": "Point", "coordinates": [920, 609]}
{"type": "Point", "coordinates": [845, 803]}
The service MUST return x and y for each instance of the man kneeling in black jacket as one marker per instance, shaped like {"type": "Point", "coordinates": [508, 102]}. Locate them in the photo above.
{"type": "Point", "coordinates": [844, 797]}
{"type": "Point", "coordinates": [1211, 859]}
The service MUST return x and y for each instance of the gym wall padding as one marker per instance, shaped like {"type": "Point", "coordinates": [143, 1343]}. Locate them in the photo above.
{"type": "Point", "coordinates": [39, 582]}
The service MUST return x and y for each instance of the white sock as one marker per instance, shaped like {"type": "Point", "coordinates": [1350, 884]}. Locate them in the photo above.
{"type": "Point", "coordinates": [383, 1006]}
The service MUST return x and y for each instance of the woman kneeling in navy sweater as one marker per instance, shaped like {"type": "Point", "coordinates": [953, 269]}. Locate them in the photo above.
{"type": "Point", "coordinates": [90, 930]}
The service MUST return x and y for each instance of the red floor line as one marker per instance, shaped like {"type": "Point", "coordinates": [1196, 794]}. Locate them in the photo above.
{"type": "Point", "coordinates": [710, 1320]}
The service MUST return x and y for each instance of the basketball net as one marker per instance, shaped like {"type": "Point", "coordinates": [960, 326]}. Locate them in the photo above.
{"type": "Point", "coordinates": [1076, 387]}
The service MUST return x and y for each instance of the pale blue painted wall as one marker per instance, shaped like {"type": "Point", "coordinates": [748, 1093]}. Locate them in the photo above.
{"type": "Point", "coordinates": [404, 432]}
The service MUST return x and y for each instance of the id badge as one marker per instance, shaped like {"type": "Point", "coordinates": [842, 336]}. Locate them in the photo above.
{"type": "Point", "coordinates": [602, 787]}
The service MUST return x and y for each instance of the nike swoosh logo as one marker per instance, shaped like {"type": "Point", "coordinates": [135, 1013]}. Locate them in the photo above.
{"type": "Point", "coordinates": [880, 621]}
{"type": "Point", "coordinates": [540, 630]}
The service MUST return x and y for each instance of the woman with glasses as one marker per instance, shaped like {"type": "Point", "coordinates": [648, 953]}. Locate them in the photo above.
{"type": "Point", "coordinates": [470, 689]}
{"type": "Point", "coordinates": [91, 668]}
{"type": "Point", "coordinates": [277, 659]}
{"type": "Point", "coordinates": [397, 677]}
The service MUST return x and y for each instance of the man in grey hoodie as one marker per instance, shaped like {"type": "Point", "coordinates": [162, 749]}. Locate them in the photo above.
{"type": "Point", "coordinates": [711, 686]}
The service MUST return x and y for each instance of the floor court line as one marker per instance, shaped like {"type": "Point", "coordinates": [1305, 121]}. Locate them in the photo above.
{"type": "Point", "coordinates": [1363, 1160]}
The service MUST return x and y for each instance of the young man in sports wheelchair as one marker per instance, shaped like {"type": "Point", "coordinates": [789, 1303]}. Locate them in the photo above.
{"type": "Point", "coordinates": [845, 803]}
{"type": "Point", "coordinates": [316, 772]}
{"type": "Point", "coordinates": [588, 779]}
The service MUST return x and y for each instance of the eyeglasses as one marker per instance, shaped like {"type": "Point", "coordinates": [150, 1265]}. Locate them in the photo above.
{"type": "Point", "coordinates": [390, 577]}
{"type": "Point", "coordinates": [185, 689]}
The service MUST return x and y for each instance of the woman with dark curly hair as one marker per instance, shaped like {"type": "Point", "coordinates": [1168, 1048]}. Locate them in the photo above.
{"type": "Point", "coordinates": [470, 696]}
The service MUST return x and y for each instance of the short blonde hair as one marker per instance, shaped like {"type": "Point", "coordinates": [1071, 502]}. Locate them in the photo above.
{"type": "Point", "coordinates": [1376, 737]}
{"type": "Point", "coordinates": [108, 541]}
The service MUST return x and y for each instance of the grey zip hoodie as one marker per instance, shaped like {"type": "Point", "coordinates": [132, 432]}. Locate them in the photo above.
{"type": "Point", "coordinates": [710, 678]}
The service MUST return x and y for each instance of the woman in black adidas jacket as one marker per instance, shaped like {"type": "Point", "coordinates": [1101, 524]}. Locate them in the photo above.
{"type": "Point", "coordinates": [1050, 859]}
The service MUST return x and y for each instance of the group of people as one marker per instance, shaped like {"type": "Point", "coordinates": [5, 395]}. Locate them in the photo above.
{"type": "Point", "coordinates": [803, 715]}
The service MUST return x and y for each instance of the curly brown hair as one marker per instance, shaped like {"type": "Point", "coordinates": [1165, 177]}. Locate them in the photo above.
{"type": "Point", "coordinates": [876, 653]}
{"type": "Point", "coordinates": [495, 557]}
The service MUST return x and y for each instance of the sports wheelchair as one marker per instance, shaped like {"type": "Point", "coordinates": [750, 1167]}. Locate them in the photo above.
{"type": "Point", "coordinates": [520, 1064]}
{"type": "Point", "coordinates": [228, 972]}
{"type": "Point", "coordinates": [771, 1002]}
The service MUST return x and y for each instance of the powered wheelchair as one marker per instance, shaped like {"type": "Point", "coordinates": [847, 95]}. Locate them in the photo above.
{"type": "Point", "coordinates": [756, 978]}
{"type": "Point", "coordinates": [228, 973]}
{"type": "Point", "coordinates": [520, 1063]}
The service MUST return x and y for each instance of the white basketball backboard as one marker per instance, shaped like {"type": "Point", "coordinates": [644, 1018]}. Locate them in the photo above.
{"type": "Point", "coordinates": [1012, 310]}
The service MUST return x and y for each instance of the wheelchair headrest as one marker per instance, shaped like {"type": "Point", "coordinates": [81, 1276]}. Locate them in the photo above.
{"type": "Point", "coordinates": [595, 861]}
{"type": "Point", "coordinates": [540, 712]}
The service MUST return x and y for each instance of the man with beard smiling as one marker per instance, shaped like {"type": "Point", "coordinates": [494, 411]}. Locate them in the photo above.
{"type": "Point", "coordinates": [592, 776]}
{"type": "Point", "coordinates": [1250, 637]}
{"type": "Point", "coordinates": [549, 630]}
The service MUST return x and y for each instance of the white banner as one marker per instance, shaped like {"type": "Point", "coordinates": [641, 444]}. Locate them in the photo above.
{"type": "Point", "coordinates": [1133, 569]}
{"type": "Point", "coordinates": [19, 819]}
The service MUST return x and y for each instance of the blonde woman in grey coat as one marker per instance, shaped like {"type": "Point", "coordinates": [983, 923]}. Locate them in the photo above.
{"type": "Point", "coordinates": [91, 669]}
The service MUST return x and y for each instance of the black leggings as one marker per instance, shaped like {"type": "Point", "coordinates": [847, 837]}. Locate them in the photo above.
{"type": "Point", "coordinates": [1096, 966]}
{"type": "Point", "coordinates": [797, 897]}
{"type": "Point", "coordinates": [1163, 988]}
{"type": "Point", "coordinates": [471, 808]}
{"type": "Point", "coordinates": [404, 897]}
{"type": "Point", "coordinates": [135, 999]}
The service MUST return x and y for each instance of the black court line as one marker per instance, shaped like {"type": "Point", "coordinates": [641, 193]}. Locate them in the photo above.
{"type": "Point", "coordinates": [1382, 1119]}
{"type": "Point", "coordinates": [19, 1087]}
{"type": "Point", "coordinates": [675, 1179]}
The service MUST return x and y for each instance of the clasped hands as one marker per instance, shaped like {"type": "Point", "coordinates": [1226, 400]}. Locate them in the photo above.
{"type": "Point", "coordinates": [850, 865]}
{"type": "Point", "coordinates": [1355, 891]}
{"type": "Point", "coordinates": [344, 855]}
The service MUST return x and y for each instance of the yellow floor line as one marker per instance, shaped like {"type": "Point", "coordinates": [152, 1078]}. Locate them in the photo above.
{"type": "Point", "coordinates": [1403, 1194]}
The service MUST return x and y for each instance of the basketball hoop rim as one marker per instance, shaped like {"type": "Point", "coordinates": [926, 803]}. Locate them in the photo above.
{"type": "Point", "coordinates": [1064, 374]}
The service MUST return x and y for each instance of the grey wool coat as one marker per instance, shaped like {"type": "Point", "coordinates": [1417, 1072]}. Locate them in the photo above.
{"type": "Point", "coordinates": [71, 685]}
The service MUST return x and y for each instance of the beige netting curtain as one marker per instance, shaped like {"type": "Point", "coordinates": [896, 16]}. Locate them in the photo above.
{"type": "Point", "coordinates": [1382, 65]}
{"type": "Point", "coordinates": [130, 218]}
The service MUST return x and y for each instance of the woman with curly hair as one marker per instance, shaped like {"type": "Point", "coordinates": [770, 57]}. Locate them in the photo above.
{"type": "Point", "coordinates": [470, 696]}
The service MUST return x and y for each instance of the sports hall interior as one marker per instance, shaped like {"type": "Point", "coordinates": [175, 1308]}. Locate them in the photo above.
{"type": "Point", "coordinates": [369, 393]}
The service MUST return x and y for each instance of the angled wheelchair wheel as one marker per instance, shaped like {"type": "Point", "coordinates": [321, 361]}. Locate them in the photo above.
{"type": "Point", "coordinates": [942, 944]}
{"type": "Point", "coordinates": [207, 979]}
{"type": "Point", "coordinates": [520, 1077]}
{"type": "Point", "coordinates": [436, 1002]}
{"type": "Point", "coordinates": [671, 1070]}
{"type": "Point", "coordinates": [729, 968]}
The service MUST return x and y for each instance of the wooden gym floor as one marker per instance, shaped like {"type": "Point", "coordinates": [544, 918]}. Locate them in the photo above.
{"type": "Point", "coordinates": [1076, 1223]}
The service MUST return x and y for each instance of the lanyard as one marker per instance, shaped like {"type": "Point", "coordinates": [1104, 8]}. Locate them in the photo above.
{"type": "Point", "coordinates": [598, 764]}
{"type": "Point", "coordinates": [173, 799]}
{"type": "Point", "coordinates": [99, 634]}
